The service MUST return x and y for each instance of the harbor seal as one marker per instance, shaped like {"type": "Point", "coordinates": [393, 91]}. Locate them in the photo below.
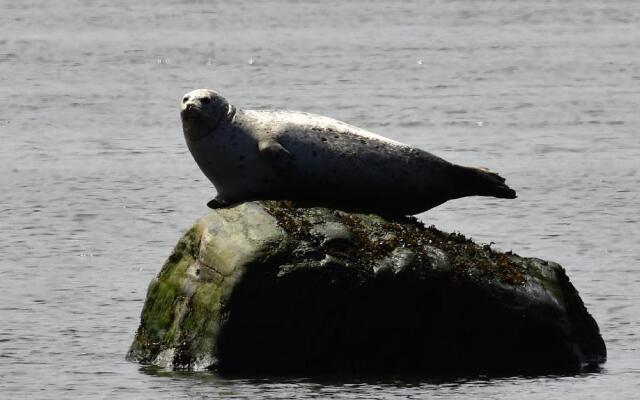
{"type": "Point", "coordinates": [287, 155]}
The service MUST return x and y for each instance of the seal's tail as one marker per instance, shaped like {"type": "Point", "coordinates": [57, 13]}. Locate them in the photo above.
{"type": "Point", "coordinates": [482, 182]}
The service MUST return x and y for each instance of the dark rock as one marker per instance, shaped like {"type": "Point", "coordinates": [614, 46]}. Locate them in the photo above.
{"type": "Point", "coordinates": [267, 287]}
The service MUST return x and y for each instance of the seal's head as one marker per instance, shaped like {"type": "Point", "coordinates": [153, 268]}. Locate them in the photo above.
{"type": "Point", "coordinates": [202, 110]}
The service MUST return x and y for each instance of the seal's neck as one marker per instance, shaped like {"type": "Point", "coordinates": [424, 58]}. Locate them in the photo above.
{"type": "Point", "coordinates": [231, 112]}
{"type": "Point", "coordinates": [209, 143]}
{"type": "Point", "coordinates": [222, 154]}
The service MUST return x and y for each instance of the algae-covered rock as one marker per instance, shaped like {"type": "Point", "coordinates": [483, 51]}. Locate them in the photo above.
{"type": "Point", "coordinates": [268, 287]}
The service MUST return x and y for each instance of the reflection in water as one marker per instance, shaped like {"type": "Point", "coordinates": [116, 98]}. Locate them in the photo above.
{"type": "Point", "coordinates": [211, 385]}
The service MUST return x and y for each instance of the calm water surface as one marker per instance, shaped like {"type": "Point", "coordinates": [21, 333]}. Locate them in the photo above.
{"type": "Point", "coordinates": [97, 184]}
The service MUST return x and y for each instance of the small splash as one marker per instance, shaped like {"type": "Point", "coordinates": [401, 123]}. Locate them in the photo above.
{"type": "Point", "coordinates": [251, 61]}
{"type": "Point", "coordinates": [163, 60]}
{"type": "Point", "coordinates": [420, 61]}
{"type": "Point", "coordinates": [479, 123]}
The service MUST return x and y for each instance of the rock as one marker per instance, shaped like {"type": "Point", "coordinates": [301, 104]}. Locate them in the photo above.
{"type": "Point", "coordinates": [265, 287]}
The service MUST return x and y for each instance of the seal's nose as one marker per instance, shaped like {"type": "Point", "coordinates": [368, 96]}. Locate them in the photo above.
{"type": "Point", "coordinates": [190, 107]}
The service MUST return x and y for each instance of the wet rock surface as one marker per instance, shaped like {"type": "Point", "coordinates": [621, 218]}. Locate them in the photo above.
{"type": "Point", "coordinates": [267, 287]}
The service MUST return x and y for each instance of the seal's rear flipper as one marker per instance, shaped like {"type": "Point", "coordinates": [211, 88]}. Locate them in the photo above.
{"type": "Point", "coordinates": [482, 182]}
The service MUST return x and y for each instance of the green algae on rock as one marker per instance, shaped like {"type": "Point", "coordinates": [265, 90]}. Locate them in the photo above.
{"type": "Point", "coordinates": [182, 314]}
{"type": "Point", "coordinates": [269, 287]}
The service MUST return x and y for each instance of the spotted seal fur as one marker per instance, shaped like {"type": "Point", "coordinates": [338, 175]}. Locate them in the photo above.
{"type": "Point", "coordinates": [317, 160]}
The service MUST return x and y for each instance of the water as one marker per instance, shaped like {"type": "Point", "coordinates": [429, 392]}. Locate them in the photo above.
{"type": "Point", "coordinates": [97, 184]}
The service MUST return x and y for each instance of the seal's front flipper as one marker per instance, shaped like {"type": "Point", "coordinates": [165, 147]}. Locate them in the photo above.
{"type": "Point", "coordinates": [273, 150]}
{"type": "Point", "coordinates": [218, 203]}
{"type": "Point", "coordinates": [277, 155]}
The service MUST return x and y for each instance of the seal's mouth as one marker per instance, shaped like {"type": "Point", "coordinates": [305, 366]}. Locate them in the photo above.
{"type": "Point", "coordinates": [196, 123]}
{"type": "Point", "coordinates": [189, 108]}
{"type": "Point", "coordinates": [192, 114]}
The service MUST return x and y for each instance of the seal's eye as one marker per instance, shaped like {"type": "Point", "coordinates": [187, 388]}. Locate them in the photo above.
{"type": "Point", "coordinates": [206, 100]}
{"type": "Point", "coordinates": [185, 99]}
